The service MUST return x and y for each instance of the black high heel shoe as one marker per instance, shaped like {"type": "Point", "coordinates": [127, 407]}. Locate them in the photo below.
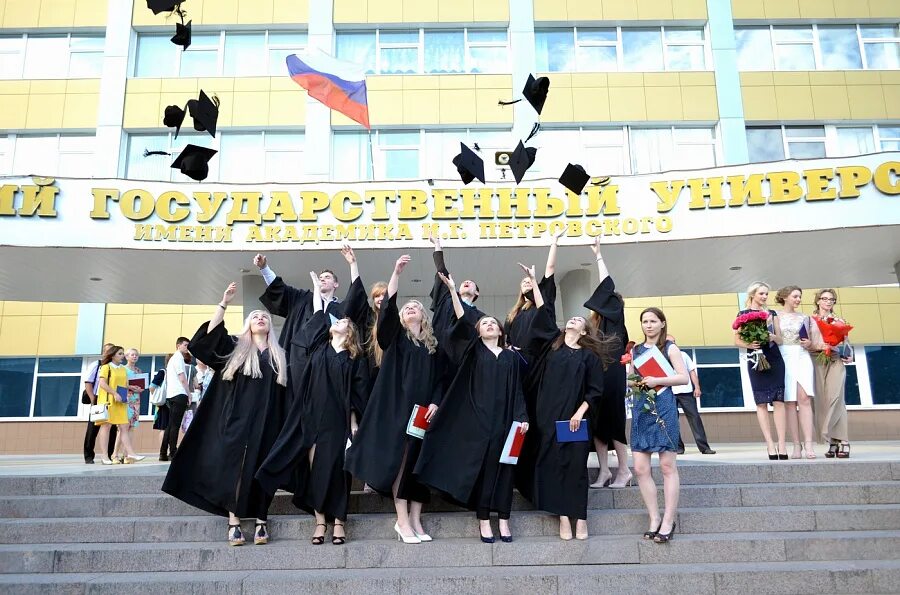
{"type": "Point", "coordinates": [832, 450]}
{"type": "Point", "coordinates": [665, 537]}
{"type": "Point", "coordinates": [338, 539]}
{"type": "Point", "coordinates": [319, 539]}
{"type": "Point", "coordinates": [772, 457]}
{"type": "Point", "coordinates": [653, 534]}
{"type": "Point", "coordinates": [782, 456]}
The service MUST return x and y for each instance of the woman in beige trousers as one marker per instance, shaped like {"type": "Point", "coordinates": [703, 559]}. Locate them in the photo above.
{"type": "Point", "coordinates": [831, 409]}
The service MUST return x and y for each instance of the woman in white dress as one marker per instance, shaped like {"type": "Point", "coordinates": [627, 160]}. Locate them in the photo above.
{"type": "Point", "coordinates": [799, 375]}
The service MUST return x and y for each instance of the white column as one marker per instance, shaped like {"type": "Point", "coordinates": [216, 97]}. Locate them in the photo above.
{"type": "Point", "coordinates": [521, 43]}
{"type": "Point", "coordinates": [575, 288]}
{"type": "Point", "coordinates": [318, 117]}
{"type": "Point", "coordinates": [111, 106]}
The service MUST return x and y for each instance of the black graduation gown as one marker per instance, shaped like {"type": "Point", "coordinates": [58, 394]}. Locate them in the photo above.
{"type": "Point", "coordinates": [357, 309]}
{"type": "Point", "coordinates": [334, 386]}
{"type": "Point", "coordinates": [409, 376]}
{"type": "Point", "coordinates": [554, 475]}
{"type": "Point", "coordinates": [608, 417]}
{"type": "Point", "coordinates": [516, 331]}
{"type": "Point", "coordinates": [235, 426]}
{"type": "Point", "coordinates": [461, 450]}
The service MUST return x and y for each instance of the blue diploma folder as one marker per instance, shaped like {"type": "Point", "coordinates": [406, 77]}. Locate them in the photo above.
{"type": "Point", "coordinates": [123, 393]}
{"type": "Point", "coordinates": [564, 434]}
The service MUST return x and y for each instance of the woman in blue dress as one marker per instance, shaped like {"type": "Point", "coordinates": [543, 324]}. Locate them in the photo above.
{"type": "Point", "coordinates": [654, 427]}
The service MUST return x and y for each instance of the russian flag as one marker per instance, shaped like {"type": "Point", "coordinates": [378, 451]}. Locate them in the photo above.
{"type": "Point", "coordinates": [339, 84]}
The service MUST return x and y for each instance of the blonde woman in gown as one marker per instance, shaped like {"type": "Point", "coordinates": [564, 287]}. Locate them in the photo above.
{"type": "Point", "coordinates": [799, 375]}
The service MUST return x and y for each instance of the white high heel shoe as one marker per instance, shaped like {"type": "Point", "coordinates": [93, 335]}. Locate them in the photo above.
{"type": "Point", "coordinates": [423, 537]}
{"type": "Point", "coordinates": [404, 538]}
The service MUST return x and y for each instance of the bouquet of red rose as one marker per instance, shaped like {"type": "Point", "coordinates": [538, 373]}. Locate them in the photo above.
{"type": "Point", "coordinates": [834, 332]}
{"type": "Point", "coordinates": [753, 327]}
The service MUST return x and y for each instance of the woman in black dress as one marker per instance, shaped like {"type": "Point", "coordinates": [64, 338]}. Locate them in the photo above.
{"type": "Point", "coordinates": [565, 380]}
{"type": "Point", "coordinates": [608, 417]}
{"type": "Point", "coordinates": [334, 389]}
{"type": "Point", "coordinates": [462, 448]}
{"type": "Point", "coordinates": [236, 424]}
{"type": "Point", "coordinates": [382, 454]}
{"type": "Point", "coordinates": [523, 312]}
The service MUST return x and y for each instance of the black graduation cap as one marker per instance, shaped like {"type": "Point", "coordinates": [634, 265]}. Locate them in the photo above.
{"type": "Point", "coordinates": [193, 161]}
{"type": "Point", "coordinates": [521, 159]}
{"type": "Point", "coordinates": [158, 6]}
{"type": "Point", "coordinates": [182, 35]}
{"type": "Point", "coordinates": [535, 91]}
{"type": "Point", "coordinates": [205, 112]}
{"type": "Point", "coordinates": [574, 178]}
{"type": "Point", "coordinates": [174, 118]}
{"type": "Point", "coordinates": [469, 165]}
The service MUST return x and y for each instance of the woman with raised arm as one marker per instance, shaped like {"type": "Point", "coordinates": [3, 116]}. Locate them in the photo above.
{"type": "Point", "coordinates": [654, 425]}
{"type": "Point", "coordinates": [564, 381]}
{"type": "Point", "coordinates": [382, 454]}
{"type": "Point", "coordinates": [462, 448]}
{"type": "Point", "coordinates": [608, 417]}
{"type": "Point", "coordinates": [364, 316]}
{"type": "Point", "coordinates": [334, 389]}
{"type": "Point", "coordinates": [237, 423]}
{"type": "Point", "coordinates": [519, 319]}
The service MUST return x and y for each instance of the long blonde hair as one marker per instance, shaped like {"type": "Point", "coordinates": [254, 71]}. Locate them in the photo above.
{"type": "Point", "coordinates": [245, 357]}
{"type": "Point", "coordinates": [751, 291]}
{"type": "Point", "coordinates": [372, 346]}
{"type": "Point", "coordinates": [427, 335]}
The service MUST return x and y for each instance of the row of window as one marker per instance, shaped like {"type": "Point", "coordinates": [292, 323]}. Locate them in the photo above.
{"type": "Point", "coordinates": [774, 143]}
{"type": "Point", "coordinates": [51, 56]}
{"type": "Point", "coordinates": [51, 386]}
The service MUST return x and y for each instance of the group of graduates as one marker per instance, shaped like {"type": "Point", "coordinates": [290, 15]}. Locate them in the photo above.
{"type": "Point", "coordinates": [332, 398]}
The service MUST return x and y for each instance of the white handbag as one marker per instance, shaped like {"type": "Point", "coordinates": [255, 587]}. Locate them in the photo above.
{"type": "Point", "coordinates": [99, 413]}
{"type": "Point", "coordinates": [158, 398]}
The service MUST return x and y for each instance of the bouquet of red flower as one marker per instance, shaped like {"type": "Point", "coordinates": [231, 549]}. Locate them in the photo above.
{"type": "Point", "coordinates": [834, 332]}
{"type": "Point", "coordinates": [753, 327]}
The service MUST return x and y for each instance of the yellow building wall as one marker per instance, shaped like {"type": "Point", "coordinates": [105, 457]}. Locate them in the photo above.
{"type": "Point", "coordinates": [419, 12]}
{"type": "Point", "coordinates": [37, 328]}
{"type": "Point", "coordinates": [65, 14]}
{"type": "Point", "coordinates": [839, 95]}
{"type": "Point", "coordinates": [49, 104]}
{"type": "Point", "coordinates": [464, 99]}
{"type": "Point", "coordinates": [252, 101]}
{"type": "Point", "coordinates": [814, 9]}
{"type": "Point", "coordinates": [227, 12]}
{"type": "Point", "coordinates": [619, 10]}
{"type": "Point", "coordinates": [153, 328]}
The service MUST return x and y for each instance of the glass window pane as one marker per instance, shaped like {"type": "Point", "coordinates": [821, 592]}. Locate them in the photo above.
{"type": "Point", "coordinates": [284, 166]}
{"type": "Point", "coordinates": [36, 155]}
{"type": "Point", "coordinates": [350, 157]}
{"type": "Point", "coordinates": [357, 47]}
{"type": "Point", "coordinates": [12, 56]}
{"type": "Point", "coordinates": [294, 40]}
{"type": "Point", "coordinates": [793, 33]}
{"type": "Point", "coordinates": [723, 355]}
{"type": "Point", "coordinates": [695, 35]}
{"type": "Point", "coordinates": [555, 50]}
{"type": "Point", "coordinates": [686, 57]}
{"type": "Point", "coordinates": [399, 37]}
{"type": "Point", "coordinates": [597, 59]}
{"type": "Point", "coordinates": [804, 131]}
{"type": "Point", "coordinates": [74, 165]}
{"type": "Point", "coordinates": [399, 60]}
{"type": "Point", "coordinates": [889, 131]}
{"type": "Point", "coordinates": [609, 160]}
{"type": "Point", "coordinates": [241, 157]}
{"type": "Point", "coordinates": [840, 47]}
{"type": "Point", "coordinates": [806, 150]}
{"type": "Point", "coordinates": [754, 48]}
{"type": "Point", "coordinates": [282, 45]}
{"type": "Point", "coordinates": [156, 57]}
{"type": "Point", "coordinates": [85, 65]}
{"type": "Point", "coordinates": [46, 57]}
{"type": "Point", "coordinates": [402, 163]}
{"type": "Point", "coordinates": [642, 49]}
{"type": "Point", "coordinates": [890, 145]}
{"type": "Point", "coordinates": [879, 31]}
{"type": "Point", "coordinates": [855, 141]}
{"type": "Point", "coordinates": [245, 54]}
{"type": "Point", "coordinates": [721, 387]}
{"type": "Point", "coordinates": [284, 141]}
{"type": "Point", "coordinates": [486, 35]}
{"type": "Point", "coordinates": [883, 56]}
{"type": "Point", "coordinates": [56, 365]}
{"type": "Point", "coordinates": [16, 379]}
{"type": "Point", "coordinates": [597, 35]}
{"type": "Point", "coordinates": [398, 138]}
{"type": "Point", "coordinates": [57, 396]}
{"type": "Point", "coordinates": [765, 144]}
{"type": "Point", "coordinates": [693, 156]}
{"type": "Point", "coordinates": [488, 59]}
{"type": "Point", "coordinates": [651, 150]}
{"type": "Point", "coordinates": [884, 373]}
{"type": "Point", "coordinates": [851, 388]}
{"type": "Point", "coordinates": [444, 51]}
{"type": "Point", "coordinates": [199, 63]}
{"type": "Point", "coordinates": [155, 167]}
{"type": "Point", "coordinates": [795, 56]}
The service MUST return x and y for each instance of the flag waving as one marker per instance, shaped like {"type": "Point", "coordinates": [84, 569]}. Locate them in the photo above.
{"type": "Point", "coordinates": [339, 84]}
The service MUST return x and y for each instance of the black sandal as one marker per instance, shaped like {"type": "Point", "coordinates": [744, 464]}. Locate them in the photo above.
{"type": "Point", "coordinates": [261, 536]}
{"type": "Point", "coordinates": [235, 535]}
{"type": "Point", "coordinates": [319, 539]}
{"type": "Point", "coordinates": [665, 537]}
{"type": "Point", "coordinates": [338, 539]}
{"type": "Point", "coordinates": [832, 450]}
{"type": "Point", "coordinates": [652, 534]}
{"type": "Point", "coordinates": [843, 451]}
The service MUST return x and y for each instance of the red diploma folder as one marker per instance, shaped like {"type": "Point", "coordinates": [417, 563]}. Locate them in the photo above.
{"type": "Point", "coordinates": [653, 363]}
{"type": "Point", "coordinates": [417, 423]}
{"type": "Point", "coordinates": [513, 446]}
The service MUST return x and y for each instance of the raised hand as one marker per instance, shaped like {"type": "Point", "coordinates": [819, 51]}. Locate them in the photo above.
{"type": "Point", "coordinates": [230, 292]}
{"type": "Point", "coordinates": [448, 281]}
{"type": "Point", "coordinates": [260, 261]}
{"type": "Point", "coordinates": [315, 280]}
{"type": "Point", "coordinates": [434, 239]}
{"type": "Point", "coordinates": [596, 247]}
{"type": "Point", "coordinates": [347, 253]}
{"type": "Point", "coordinates": [401, 263]}
{"type": "Point", "coordinates": [528, 270]}
{"type": "Point", "coordinates": [558, 235]}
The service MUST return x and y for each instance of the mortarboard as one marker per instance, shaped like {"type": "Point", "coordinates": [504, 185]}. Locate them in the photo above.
{"type": "Point", "coordinates": [205, 113]}
{"type": "Point", "coordinates": [182, 35]}
{"type": "Point", "coordinates": [535, 91]}
{"type": "Point", "coordinates": [158, 6]}
{"type": "Point", "coordinates": [521, 159]}
{"type": "Point", "coordinates": [469, 165]}
{"type": "Point", "coordinates": [193, 161]}
{"type": "Point", "coordinates": [574, 178]}
{"type": "Point", "coordinates": [174, 118]}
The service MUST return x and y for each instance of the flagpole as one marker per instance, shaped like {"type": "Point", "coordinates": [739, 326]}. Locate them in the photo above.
{"type": "Point", "coordinates": [371, 155]}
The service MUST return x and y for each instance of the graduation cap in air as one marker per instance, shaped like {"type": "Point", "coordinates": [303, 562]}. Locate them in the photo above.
{"type": "Point", "coordinates": [521, 159]}
{"type": "Point", "coordinates": [173, 117]}
{"type": "Point", "coordinates": [158, 6]}
{"type": "Point", "coordinates": [204, 111]}
{"type": "Point", "coordinates": [193, 161]}
{"type": "Point", "coordinates": [574, 178]}
{"type": "Point", "coordinates": [535, 92]}
{"type": "Point", "coordinates": [469, 165]}
{"type": "Point", "coordinates": [182, 35]}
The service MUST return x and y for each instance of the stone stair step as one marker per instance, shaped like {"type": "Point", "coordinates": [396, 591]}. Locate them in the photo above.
{"type": "Point", "coordinates": [757, 578]}
{"type": "Point", "coordinates": [454, 524]}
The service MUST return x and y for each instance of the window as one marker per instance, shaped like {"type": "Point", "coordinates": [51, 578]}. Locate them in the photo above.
{"type": "Point", "coordinates": [12, 55]}
{"type": "Point", "coordinates": [236, 54]}
{"type": "Point", "coordinates": [16, 380]}
{"type": "Point", "coordinates": [31, 56]}
{"type": "Point", "coordinates": [819, 47]}
{"type": "Point", "coordinates": [58, 388]}
{"type": "Point", "coordinates": [428, 51]}
{"type": "Point", "coordinates": [719, 371]}
{"type": "Point", "coordinates": [660, 149]}
{"type": "Point", "coordinates": [52, 155]}
{"type": "Point", "coordinates": [158, 167]}
{"type": "Point", "coordinates": [884, 374]}
{"type": "Point", "coordinates": [773, 143]}
{"type": "Point", "coordinates": [620, 49]}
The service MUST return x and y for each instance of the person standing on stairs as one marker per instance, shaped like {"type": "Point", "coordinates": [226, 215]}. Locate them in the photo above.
{"type": "Point", "coordinates": [237, 423]}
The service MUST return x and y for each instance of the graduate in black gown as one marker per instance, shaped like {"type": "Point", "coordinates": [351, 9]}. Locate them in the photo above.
{"type": "Point", "coordinates": [335, 389]}
{"type": "Point", "coordinates": [235, 425]}
{"type": "Point", "coordinates": [462, 448]}
{"type": "Point", "coordinates": [441, 304]}
{"type": "Point", "coordinates": [565, 380]}
{"type": "Point", "coordinates": [382, 454]}
{"type": "Point", "coordinates": [608, 416]}
{"type": "Point", "coordinates": [365, 317]}
{"type": "Point", "coordinates": [522, 313]}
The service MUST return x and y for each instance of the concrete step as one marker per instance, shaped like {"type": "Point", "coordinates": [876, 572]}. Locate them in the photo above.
{"type": "Point", "coordinates": [732, 495]}
{"type": "Point", "coordinates": [146, 478]}
{"type": "Point", "coordinates": [443, 525]}
{"type": "Point", "coordinates": [756, 578]}
{"type": "Point", "coordinates": [299, 554]}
